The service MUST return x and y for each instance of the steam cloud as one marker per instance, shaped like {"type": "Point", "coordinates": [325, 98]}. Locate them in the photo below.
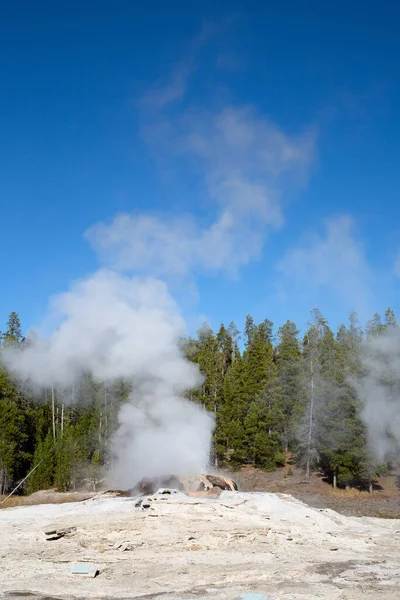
{"type": "Point", "coordinates": [334, 262]}
{"type": "Point", "coordinates": [379, 390]}
{"type": "Point", "coordinates": [115, 326]}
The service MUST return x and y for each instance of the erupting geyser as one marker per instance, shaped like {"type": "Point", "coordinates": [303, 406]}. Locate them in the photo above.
{"type": "Point", "coordinates": [126, 327]}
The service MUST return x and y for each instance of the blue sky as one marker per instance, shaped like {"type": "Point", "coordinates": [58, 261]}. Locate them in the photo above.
{"type": "Point", "coordinates": [253, 149]}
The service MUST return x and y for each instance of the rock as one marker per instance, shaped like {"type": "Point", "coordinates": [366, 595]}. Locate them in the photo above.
{"type": "Point", "coordinates": [150, 486]}
{"type": "Point", "coordinates": [123, 546]}
{"type": "Point", "coordinates": [57, 533]}
{"type": "Point", "coordinates": [219, 481]}
{"type": "Point", "coordinates": [188, 484]}
{"type": "Point", "coordinates": [117, 493]}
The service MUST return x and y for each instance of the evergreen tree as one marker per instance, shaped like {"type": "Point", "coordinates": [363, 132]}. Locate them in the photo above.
{"type": "Point", "coordinates": [230, 435]}
{"type": "Point", "coordinates": [225, 348]}
{"type": "Point", "coordinates": [42, 477]}
{"type": "Point", "coordinates": [234, 336]}
{"type": "Point", "coordinates": [249, 329]}
{"type": "Point", "coordinates": [375, 326]}
{"type": "Point", "coordinates": [13, 333]}
{"type": "Point", "coordinates": [261, 416]}
{"type": "Point", "coordinates": [95, 470]}
{"type": "Point", "coordinates": [258, 362]}
{"type": "Point", "coordinates": [343, 449]}
{"type": "Point", "coordinates": [290, 388]}
{"type": "Point", "coordinates": [70, 460]}
{"type": "Point", "coordinates": [390, 317]}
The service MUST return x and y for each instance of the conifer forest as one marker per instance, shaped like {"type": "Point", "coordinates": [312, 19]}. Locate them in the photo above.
{"type": "Point", "coordinates": [274, 393]}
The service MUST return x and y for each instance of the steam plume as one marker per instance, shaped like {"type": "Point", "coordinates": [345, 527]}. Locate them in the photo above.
{"type": "Point", "coordinates": [115, 326]}
{"type": "Point", "coordinates": [379, 389]}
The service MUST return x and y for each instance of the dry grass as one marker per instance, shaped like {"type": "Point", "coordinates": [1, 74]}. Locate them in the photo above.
{"type": "Point", "coordinates": [45, 497]}
{"type": "Point", "coordinates": [351, 493]}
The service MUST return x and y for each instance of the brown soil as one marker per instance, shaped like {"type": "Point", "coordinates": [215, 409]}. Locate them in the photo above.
{"type": "Point", "coordinates": [318, 493]}
{"type": "Point", "coordinates": [45, 497]}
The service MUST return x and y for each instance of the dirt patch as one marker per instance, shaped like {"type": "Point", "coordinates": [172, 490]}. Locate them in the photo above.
{"type": "Point", "coordinates": [46, 497]}
{"type": "Point", "coordinates": [333, 569]}
{"type": "Point", "coordinates": [383, 503]}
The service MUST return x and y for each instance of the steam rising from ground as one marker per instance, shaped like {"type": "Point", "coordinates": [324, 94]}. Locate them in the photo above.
{"type": "Point", "coordinates": [113, 327]}
{"type": "Point", "coordinates": [379, 390]}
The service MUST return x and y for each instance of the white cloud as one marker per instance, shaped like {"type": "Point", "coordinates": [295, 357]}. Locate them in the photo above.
{"type": "Point", "coordinates": [172, 88]}
{"type": "Point", "coordinates": [165, 93]}
{"type": "Point", "coordinates": [333, 263]}
{"type": "Point", "coordinates": [240, 162]}
{"type": "Point", "coordinates": [245, 163]}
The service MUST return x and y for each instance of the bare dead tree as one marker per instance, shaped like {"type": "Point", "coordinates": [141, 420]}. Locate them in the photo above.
{"type": "Point", "coordinates": [53, 412]}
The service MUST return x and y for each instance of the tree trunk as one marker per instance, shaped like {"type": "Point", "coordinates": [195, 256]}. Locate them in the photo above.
{"type": "Point", "coordinates": [62, 419]}
{"type": "Point", "coordinates": [310, 426]}
{"type": "Point", "coordinates": [3, 481]}
{"type": "Point", "coordinates": [105, 414]}
{"type": "Point", "coordinates": [215, 412]}
{"type": "Point", "coordinates": [53, 412]}
{"type": "Point", "coordinates": [334, 478]}
{"type": "Point", "coordinates": [370, 487]}
{"type": "Point", "coordinates": [307, 473]}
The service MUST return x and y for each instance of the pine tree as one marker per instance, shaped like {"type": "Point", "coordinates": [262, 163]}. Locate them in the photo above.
{"type": "Point", "coordinates": [44, 461]}
{"type": "Point", "coordinates": [95, 470]}
{"type": "Point", "coordinates": [263, 416]}
{"type": "Point", "coordinates": [390, 317]}
{"type": "Point", "coordinates": [225, 348]}
{"type": "Point", "coordinates": [15, 418]}
{"type": "Point", "coordinates": [249, 329]}
{"type": "Point", "coordinates": [375, 326]}
{"type": "Point", "coordinates": [13, 333]}
{"type": "Point", "coordinates": [331, 405]}
{"type": "Point", "coordinates": [211, 363]}
{"type": "Point", "coordinates": [70, 462]}
{"type": "Point", "coordinates": [11, 426]}
{"type": "Point", "coordinates": [258, 359]}
{"type": "Point", "coordinates": [341, 440]}
{"type": "Point", "coordinates": [234, 336]}
{"type": "Point", "coordinates": [231, 437]}
{"type": "Point", "coordinates": [289, 385]}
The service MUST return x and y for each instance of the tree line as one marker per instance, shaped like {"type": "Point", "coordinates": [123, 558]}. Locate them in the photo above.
{"type": "Point", "coordinates": [274, 394]}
